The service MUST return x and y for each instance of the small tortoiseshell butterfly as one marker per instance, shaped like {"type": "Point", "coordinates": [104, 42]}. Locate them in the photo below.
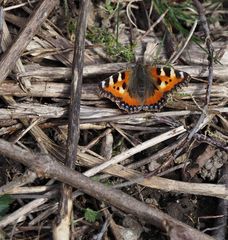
{"type": "Point", "coordinates": [144, 87]}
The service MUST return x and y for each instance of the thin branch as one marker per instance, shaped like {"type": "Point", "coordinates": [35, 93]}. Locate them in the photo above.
{"type": "Point", "coordinates": [26, 209]}
{"type": "Point", "coordinates": [153, 26]}
{"type": "Point", "coordinates": [44, 165]}
{"type": "Point", "coordinates": [211, 141]}
{"type": "Point", "coordinates": [130, 152]}
{"type": "Point", "coordinates": [155, 182]}
{"type": "Point", "coordinates": [11, 56]}
{"type": "Point", "coordinates": [174, 58]}
{"type": "Point", "coordinates": [62, 229]}
{"type": "Point", "coordinates": [1, 27]}
{"type": "Point", "coordinates": [26, 178]}
{"type": "Point", "coordinates": [74, 113]}
{"type": "Point", "coordinates": [210, 49]}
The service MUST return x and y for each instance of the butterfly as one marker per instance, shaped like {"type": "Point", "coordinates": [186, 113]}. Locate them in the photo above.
{"type": "Point", "coordinates": [143, 87]}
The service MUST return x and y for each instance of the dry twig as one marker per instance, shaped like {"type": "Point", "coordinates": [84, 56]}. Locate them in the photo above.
{"type": "Point", "coordinates": [9, 59]}
{"type": "Point", "coordinates": [44, 165]}
{"type": "Point", "coordinates": [62, 228]}
{"type": "Point", "coordinates": [210, 49]}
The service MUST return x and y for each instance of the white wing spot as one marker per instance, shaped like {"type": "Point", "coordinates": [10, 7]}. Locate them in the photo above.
{"type": "Point", "coordinates": [162, 85]}
{"type": "Point", "coordinates": [119, 77]}
{"type": "Point", "coordinates": [172, 73]}
{"type": "Point", "coordinates": [103, 84]}
{"type": "Point", "coordinates": [121, 90]}
{"type": "Point", "coordinates": [182, 74]}
{"type": "Point", "coordinates": [111, 81]}
{"type": "Point", "coordinates": [162, 72]}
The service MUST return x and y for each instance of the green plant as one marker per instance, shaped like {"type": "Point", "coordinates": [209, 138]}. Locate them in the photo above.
{"type": "Point", "coordinates": [114, 49]}
{"type": "Point", "coordinates": [71, 24]}
{"type": "Point", "coordinates": [110, 7]}
{"type": "Point", "coordinates": [5, 201]}
{"type": "Point", "coordinates": [91, 215]}
{"type": "Point", "coordinates": [179, 15]}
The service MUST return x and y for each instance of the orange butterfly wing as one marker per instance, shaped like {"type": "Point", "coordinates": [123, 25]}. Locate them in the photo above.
{"type": "Point", "coordinates": [166, 79]}
{"type": "Point", "coordinates": [163, 81]}
{"type": "Point", "coordinates": [115, 88]}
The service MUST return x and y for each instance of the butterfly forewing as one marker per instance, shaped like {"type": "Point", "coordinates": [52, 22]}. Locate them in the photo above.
{"type": "Point", "coordinates": [168, 78]}
{"type": "Point", "coordinates": [116, 89]}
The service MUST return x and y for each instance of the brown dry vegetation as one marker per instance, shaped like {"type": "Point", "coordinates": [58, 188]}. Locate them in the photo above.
{"type": "Point", "coordinates": [147, 175]}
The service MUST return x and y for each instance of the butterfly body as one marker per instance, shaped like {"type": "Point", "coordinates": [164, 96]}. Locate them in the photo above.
{"type": "Point", "coordinates": [143, 87]}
